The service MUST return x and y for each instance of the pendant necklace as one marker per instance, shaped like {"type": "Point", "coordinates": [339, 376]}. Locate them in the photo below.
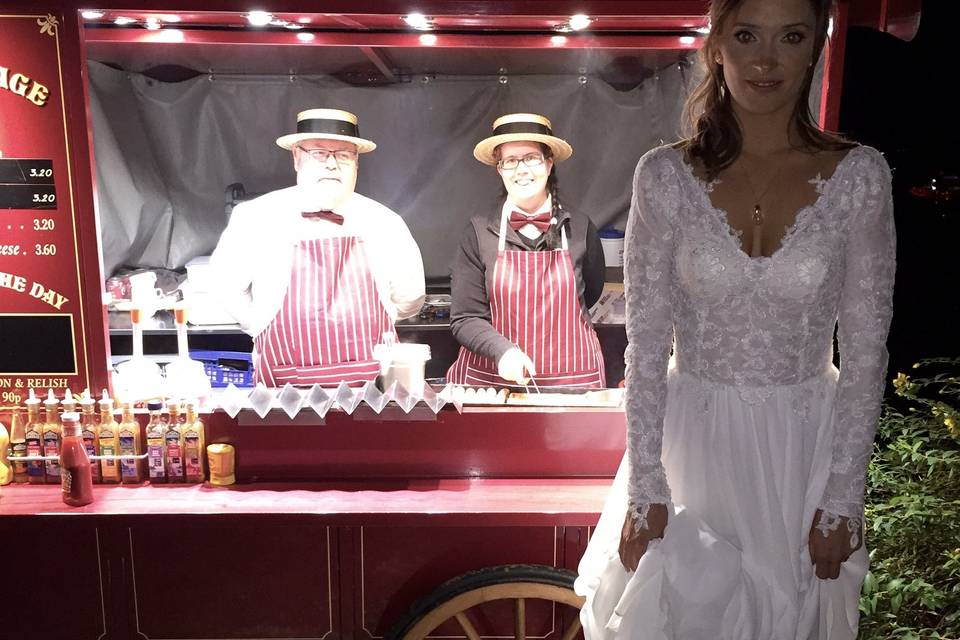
{"type": "Point", "coordinates": [756, 239]}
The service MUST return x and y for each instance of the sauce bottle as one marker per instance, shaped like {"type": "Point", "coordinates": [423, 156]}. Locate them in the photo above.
{"type": "Point", "coordinates": [88, 431]}
{"type": "Point", "coordinates": [6, 470]}
{"type": "Point", "coordinates": [193, 446]}
{"type": "Point", "coordinates": [33, 436]}
{"type": "Point", "coordinates": [156, 460]}
{"type": "Point", "coordinates": [131, 469]}
{"type": "Point", "coordinates": [76, 478]}
{"type": "Point", "coordinates": [18, 447]}
{"type": "Point", "coordinates": [51, 436]}
{"type": "Point", "coordinates": [108, 441]}
{"type": "Point", "coordinates": [173, 443]}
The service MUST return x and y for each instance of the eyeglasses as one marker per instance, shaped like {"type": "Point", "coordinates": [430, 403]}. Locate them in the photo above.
{"type": "Point", "coordinates": [530, 160]}
{"type": "Point", "coordinates": [342, 157]}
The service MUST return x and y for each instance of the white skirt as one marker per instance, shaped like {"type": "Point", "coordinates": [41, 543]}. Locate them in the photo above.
{"type": "Point", "coordinates": [747, 469]}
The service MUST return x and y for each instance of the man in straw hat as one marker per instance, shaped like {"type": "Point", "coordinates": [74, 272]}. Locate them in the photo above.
{"type": "Point", "coordinates": [318, 273]}
{"type": "Point", "coordinates": [527, 273]}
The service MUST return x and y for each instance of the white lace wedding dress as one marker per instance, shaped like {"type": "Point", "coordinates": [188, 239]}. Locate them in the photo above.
{"type": "Point", "coordinates": [748, 428]}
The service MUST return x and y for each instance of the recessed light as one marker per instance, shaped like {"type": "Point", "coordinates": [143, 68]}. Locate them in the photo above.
{"type": "Point", "coordinates": [305, 37]}
{"type": "Point", "coordinates": [152, 24]}
{"type": "Point", "coordinates": [123, 20]}
{"type": "Point", "coordinates": [704, 30]}
{"type": "Point", "coordinates": [294, 26]}
{"type": "Point", "coordinates": [687, 40]}
{"type": "Point", "coordinates": [259, 18]}
{"type": "Point", "coordinates": [428, 39]}
{"type": "Point", "coordinates": [579, 21]}
{"type": "Point", "coordinates": [303, 20]}
{"type": "Point", "coordinates": [90, 14]}
{"type": "Point", "coordinates": [558, 41]}
{"type": "Point", "coordinates": [418, 21]}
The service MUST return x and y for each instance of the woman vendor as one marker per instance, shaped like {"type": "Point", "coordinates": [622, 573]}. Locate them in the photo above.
{"type": "Point", "coordinates": [527, 273]}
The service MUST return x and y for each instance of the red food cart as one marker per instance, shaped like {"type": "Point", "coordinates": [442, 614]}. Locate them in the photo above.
{"type": "Point", "coordinates": [467, 521]}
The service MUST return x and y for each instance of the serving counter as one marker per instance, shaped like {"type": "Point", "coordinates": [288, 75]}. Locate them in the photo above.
{"type": "Point", "coordinates": [334, 529]}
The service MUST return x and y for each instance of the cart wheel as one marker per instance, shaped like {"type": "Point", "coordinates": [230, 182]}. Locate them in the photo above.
{"type": "Point", "coordinates": [517, 582]}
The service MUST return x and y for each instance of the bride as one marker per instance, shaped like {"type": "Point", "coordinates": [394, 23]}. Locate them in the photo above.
{"type": "Point", "coordinates": [738, 510]}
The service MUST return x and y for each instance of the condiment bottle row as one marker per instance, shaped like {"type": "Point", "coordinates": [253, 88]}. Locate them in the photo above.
{"type": "Point", "coordinates": [114, 451]}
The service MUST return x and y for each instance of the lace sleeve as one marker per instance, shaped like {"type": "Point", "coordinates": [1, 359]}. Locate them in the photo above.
{"type": "Point", "coordinates": [866, 306]}
{"type": "Point", "coordinates": [648, 283]}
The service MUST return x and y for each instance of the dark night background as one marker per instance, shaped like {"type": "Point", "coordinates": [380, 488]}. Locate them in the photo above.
{"type": "Point", "coordinates": [895, 99]}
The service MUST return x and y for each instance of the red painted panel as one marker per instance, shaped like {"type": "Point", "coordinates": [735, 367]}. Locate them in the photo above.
{"type": "Point", "coordinates": [54, 585]}
{"type": "Point", "coordinates": [481, 443]}
{"type": "Point", "coordinates": [233, 580]}
{"type": "Point", "coordinates": [54, 270]}
{"type": "Point", "coordinates": [396, 566]}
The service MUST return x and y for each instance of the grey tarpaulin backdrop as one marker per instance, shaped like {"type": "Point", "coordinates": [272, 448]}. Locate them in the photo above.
{"type": "Point", "coordinates": [166, 151]}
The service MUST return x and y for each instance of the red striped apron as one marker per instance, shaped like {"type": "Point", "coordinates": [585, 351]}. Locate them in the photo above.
{"type": "Point", "coordinates": [534, 304]}
{"type": "Point", "coordinates": [329, 322]}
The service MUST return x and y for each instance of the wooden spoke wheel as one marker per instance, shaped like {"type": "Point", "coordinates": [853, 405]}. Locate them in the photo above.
{"type": "Point", "coordinates": [455, 599]}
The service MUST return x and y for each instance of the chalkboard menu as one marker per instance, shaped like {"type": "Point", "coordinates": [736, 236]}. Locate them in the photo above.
{"type": "Point", "coordinates": [42, 343]}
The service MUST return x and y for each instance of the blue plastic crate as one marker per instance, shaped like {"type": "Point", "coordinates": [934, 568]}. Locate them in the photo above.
{"type": "Point", "coordinates": [224, 367]}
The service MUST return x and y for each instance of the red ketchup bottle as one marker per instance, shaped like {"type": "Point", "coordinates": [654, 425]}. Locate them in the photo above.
{"type": "Point", "coordinates": [76, 480]}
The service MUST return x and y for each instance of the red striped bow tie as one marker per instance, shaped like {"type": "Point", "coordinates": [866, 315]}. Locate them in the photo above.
{"type": "Point", "coordinates": [329, 216]}
{"type": "Point", "coordinates": [541, 221]}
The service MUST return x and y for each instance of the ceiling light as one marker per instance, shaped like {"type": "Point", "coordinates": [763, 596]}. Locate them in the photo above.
{"type": "Point", "coordinates": [687, 40]}
{"type": "Point", "coordinates": [278, 22]}
{"type": "Point", "coordinates": [90, 14]}
{"type": "Point", "coordinates": [418, 21]}
{"type": "Point", "coordinates": [579, 22]}
{"type": "Point", "coordinates": [293, 25]}
{"type": "Point", "coordinates": [428, 39]}
{"type": "Point", "coordinates": [305, 37]}
{"type": "Point", "coordinates": [704, 30]}
{"type": "Point", "coordinates": [123, 20]}
{"type": "Point", "coordinates": [563, 28]}
{"type": "Point", "coordinates": [169, 17]}
{"type": "Point", "coordinates": [303, 20]}
{"type": "Point", "coordinates": [259, 18]}
{"type": "Point", "coordinates": [558, 41]}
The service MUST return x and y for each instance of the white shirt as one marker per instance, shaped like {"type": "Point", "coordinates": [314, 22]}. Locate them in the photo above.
{"type": "Point", "coordinates": [254, 256]}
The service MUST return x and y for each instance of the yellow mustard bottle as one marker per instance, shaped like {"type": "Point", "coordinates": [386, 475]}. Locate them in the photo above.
{"type": "Point", "coordinates": [6, 469]}
{"type": "Point", "coordinates": [108, 441]}
{"type": "Point", "coordinates": [193, 446]}
{"type": "Point", "coordinates": [18, 446]}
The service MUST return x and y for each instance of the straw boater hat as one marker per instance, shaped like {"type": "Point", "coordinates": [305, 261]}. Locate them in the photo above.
{"type": "Point", "coordinates": [528, 127]}
{"type": "Point", "coordinates": [326, 124]}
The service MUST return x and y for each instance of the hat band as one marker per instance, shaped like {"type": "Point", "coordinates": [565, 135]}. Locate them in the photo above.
{"type": "Point", "coordinates": [522, 127]}
{"type": "Point", "coordinates": [334, 127]}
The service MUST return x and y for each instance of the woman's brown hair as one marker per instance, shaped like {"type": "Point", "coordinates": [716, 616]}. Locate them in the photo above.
{"type": "Point", "coordinates": [715, 136]}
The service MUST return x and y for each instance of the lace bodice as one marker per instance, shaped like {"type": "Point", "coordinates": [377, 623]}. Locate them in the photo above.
{"type": "Point", "coordinates": [758, 323]}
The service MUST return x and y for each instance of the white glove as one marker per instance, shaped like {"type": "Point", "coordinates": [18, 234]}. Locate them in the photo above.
{"type": "Point", "coordinates": [514, 365]}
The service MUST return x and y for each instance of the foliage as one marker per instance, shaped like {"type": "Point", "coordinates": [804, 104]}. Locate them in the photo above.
{"type": "Point", "coordinates": [913, 510]}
